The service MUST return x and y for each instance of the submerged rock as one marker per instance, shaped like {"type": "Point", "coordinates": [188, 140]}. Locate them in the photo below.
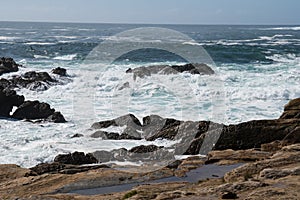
{"type": "Point", "coordinates": [59, 71]}
{"type": "Point", "coordinates": [8, 65]}
{"type": "Point", "coordinates": [192, 68]}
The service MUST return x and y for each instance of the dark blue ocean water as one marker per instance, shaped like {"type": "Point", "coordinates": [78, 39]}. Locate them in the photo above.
{"type": "Point", "coordinates": [225, 43]}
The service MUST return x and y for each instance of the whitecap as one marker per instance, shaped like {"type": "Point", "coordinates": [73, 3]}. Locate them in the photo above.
{"type": "Point", "coordinates": [40, 43]}
{"type": "Point", "coordinates": [8, 38]}
{"type": "Point", "coordinates": [293, 28]}
{"type": "Point", "coordinates": [65, 57]}
{"type": "Point", "coordinates": [40, 57]}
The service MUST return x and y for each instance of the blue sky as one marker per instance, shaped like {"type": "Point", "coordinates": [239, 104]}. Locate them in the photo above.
{"type": "Point", "coordinates": [154, 11]}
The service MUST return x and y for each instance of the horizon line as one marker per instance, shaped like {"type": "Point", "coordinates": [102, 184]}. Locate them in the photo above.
{"type": "Point", "coordinates": [145, 23]}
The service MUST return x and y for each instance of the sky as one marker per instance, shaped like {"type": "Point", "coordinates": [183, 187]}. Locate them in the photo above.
{"type": "Point", "coordinates": [154, 11]}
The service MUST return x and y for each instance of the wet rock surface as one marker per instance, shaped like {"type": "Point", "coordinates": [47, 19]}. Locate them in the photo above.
{"type": "Point", "coordinates": [76, 158]}
{"type": "Point", "coordinates": [29, 110]}
{"type": "Point", "coordinates": [192, 68]}
{"type": "Point", "coordinates": [59, 71]}
{"type": "Point", "coordinates": [8, 65]}
{"type": "Point", "coordinates": [32, 110]}
{"type": "Point", "coordinates": [9, 99]}
{"type": "Point", "coordinates": [32, 80]}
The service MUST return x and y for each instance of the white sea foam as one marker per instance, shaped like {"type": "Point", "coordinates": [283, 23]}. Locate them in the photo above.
{"type": "Point", "coordinates": [8, 38]}
{"type": "Point", "coordinates": [40, 43]}
{"type": "Point", "coordinates": [294, 28]}
{"type": "Point", "coordinates": [65, 57]}
{"type": "Point", "coordinates": [260, 93]}
{"type": "Point", "coordinates": [41, 57]}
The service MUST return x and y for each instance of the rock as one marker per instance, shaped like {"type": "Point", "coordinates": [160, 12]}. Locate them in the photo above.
{"type": "Point", "coordinates": [8, 65]}
{"type": "Point", "coordinates": [195, 68]}
{"type": "Point", "coordinates": [60, 168]}
{"type": "Point", "coordinates": [33, 110]}
{"type": "Point", "coordinates": [113, 136]}
{"type": "Point", "coordinates": [247, 135]}
{"type": "Point", "coordinates": [9, 99]}
{"type": "Point", "coordinates": [126, 120]}
{"type": "Point", "coordinates": [239, 156]}
{"type": "Point", "coordinates": [174, 164]}
{"type": "Point", "coordinates": [145, 149]}
{"type": "Point", "coordinates": [282, 158]}
{"type": "Point", "coordinates": [292, 110]}
{"type": "Point", "coordinates": [77, 135]}
{"type": "Point", "coordinates": [47, 168]}
{"type": "Point", "coordinates": [270, 173]}
{"type": "Point", "coordinates": [31, 80]}
{"type": "Point", "coordinates": [38, 76]}
{"type": "Point", "coordinates": [56, 117]}
{"type": "Point", "coordinates": [229, 195]}
{"type": "Point", "coordinates": [76, 158]}
{"type": "Point", "coordinates": [59, 71]}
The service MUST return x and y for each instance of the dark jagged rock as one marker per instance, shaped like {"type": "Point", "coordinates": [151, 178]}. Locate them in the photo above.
{"type": "Point", "coordinates": [113, 136]}
{"type": "Point", "coordinates": [33, 110]}
{"type": "Point", "coordinates": [145, 149]}
{"type": "Point", "coordinates": [8, 65]}
{"type": "Point", "coordinates": [77, 135]}
{"type": "Point", "coordinates": [9, 99]}
{"type": "Point", "coordinates": [56, 117]}
{"type": "Point", "coordinates": [292, 110]}
{"type": "Point", "coordinates": [204, 136]}
{"type": "Point", "coordinates": [33, 80]}
{"type": "Point", "coordinates": [247, 135]}
{"type": "Point", "coordinates": [38, 76]}
{"type": "Point", "coordinates": [126, 120]}
{"type": "Point", "coordinates": [47, 168]}
{"type": "Point", "coordinates": [59, 71]}
{"type": "Point", "coordinates": [76, 158]}
{"type": "Point", "coordinates": [191, 68]}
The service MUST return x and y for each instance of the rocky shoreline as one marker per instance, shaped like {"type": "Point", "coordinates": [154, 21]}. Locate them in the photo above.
{"type": "Point", "coordinates": [267, 151]}
{"type": "Point", "coordinates": [27, 110]}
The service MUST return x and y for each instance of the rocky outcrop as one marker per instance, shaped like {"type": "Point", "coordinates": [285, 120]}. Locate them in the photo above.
{"type": "Point", "coordinates": [144, 153]}
{"type": "Point", "coordinates": [9, 99]}
{"type": "Point", "coordinates": [192, 68]}
{"type": "Point", "coordinates": [33, 110]}
{"type": "Point", "coordinates": [8, 65]}
{"type": "Point", "coordinates": [203, 136]}
{"type": "Point", "coordinates": [292, 110]}
{"type": "Point", "coordinates": [144, 149]}
{"type": "Point", "coordinates": [76, 158]}
{"type": "Point", "coordinates": [60, 168]}
{"type": "Point", "coordinates": [32, 80]}
{"type": "Point", "coordinates": [59, 71]}
{"type": "Point", "coordinates": [113, 136]}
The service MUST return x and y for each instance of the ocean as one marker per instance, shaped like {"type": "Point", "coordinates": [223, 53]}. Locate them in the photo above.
{"type": "Point", "coordinates": [257, 69]}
